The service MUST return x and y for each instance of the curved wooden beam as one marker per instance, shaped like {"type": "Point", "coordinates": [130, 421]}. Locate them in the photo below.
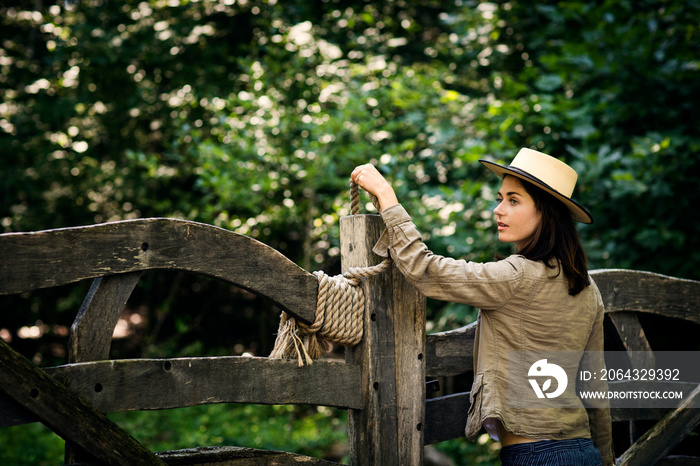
{"type": "Point", "coordinates": [56, 257]}
{"type": "Point", "coordinates": [630, 290]}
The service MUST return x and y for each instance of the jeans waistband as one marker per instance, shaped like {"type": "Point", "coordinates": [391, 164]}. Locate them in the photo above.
{"type": "Point", "coordinates": [546, 445]}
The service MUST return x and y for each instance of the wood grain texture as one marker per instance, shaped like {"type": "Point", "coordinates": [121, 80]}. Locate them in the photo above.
{"type": "Point", "coordinates": [91, 332]}
{"type": "Point", "coordinates": [633, 339]}
{"type": "Point", "coordinates": [630, 290]}
{"type": "Point", "coordinates": [409, 308]}
{"type": "Point", "coordinates": [446, 417]}
{"type": "Point", "coordinates": [67, 414]}
{"type": "Point", "coordinates": [55, 257]}
{"type": "Point", "coordinates": [372, 431]}
{"type": "Point", "coordinates": [141, 384]}
{"type": "Point", "coordinates": [92, 329]}
{"type": "Point", "coordinates": [450, 353]}
{"type": "Point", "coordinates": [237, 456]}
{"type": "Point", "coordinates": [667, 433]}
{"type": "Point", "coordinates": [389, 430]}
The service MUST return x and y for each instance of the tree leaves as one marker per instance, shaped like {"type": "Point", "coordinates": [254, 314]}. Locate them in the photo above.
{"type": "Point", "coordinates": [251, 116]}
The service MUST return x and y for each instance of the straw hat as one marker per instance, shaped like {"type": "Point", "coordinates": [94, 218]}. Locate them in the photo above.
{"type": "Point", "coordinates": [547, 173]}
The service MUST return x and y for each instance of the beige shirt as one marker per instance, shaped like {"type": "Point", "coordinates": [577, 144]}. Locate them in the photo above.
{"type": "Point", "coordinates": [525, 306]}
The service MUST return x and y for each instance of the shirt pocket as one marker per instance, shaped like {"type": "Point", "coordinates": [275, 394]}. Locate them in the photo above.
{"type": "Point", "coordinates": [474, 414]}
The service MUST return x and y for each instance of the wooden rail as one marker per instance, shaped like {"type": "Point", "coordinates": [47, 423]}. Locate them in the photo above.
{"type": "Point", "coordinates": [108, 386]}
{"type": "Point", "coordinates": [57, 257]}
{"type": "Point", "coordinates": [381, 383]}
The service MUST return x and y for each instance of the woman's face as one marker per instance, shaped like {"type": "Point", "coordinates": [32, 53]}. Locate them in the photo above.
{"type": "Point", "coordinates": [517, 217]}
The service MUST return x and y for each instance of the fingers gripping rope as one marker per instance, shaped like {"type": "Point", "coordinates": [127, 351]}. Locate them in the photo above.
{"type": "Point", "coordinates": [340, 307]}
{"type": "Point", "coordinates": [355, 199]}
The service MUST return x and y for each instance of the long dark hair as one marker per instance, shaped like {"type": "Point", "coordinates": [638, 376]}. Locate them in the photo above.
{"type": "Point", "coordinates": [556, 237]}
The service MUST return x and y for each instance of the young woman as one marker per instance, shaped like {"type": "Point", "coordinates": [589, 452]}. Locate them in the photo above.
{"type": "Point", "coordinates": [539, 299]}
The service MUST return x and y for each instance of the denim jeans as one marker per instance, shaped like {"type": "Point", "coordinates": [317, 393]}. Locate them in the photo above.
{"type": "Point", "coordinates": [574, 452]}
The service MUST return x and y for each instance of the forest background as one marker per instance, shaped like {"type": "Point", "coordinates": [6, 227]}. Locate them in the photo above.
{"type": "Point", "coordinates": [250, 115]}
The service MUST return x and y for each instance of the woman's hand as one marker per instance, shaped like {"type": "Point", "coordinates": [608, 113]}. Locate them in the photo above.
{"type": "Point", "coordinates": [368, 178]}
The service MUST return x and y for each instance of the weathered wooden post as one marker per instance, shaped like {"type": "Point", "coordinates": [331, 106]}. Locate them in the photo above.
{"type": "Point", "coordinates": [389, 430]}
{"type": "Point", "coordinates": [91, 332]}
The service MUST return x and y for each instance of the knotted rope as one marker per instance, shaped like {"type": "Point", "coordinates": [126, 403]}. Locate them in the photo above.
{"type": "Point", "coordinates": [340, 308]}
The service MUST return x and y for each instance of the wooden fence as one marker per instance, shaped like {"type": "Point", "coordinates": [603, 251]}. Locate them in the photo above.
{"type": "Point", "coordinates": [381, 384]}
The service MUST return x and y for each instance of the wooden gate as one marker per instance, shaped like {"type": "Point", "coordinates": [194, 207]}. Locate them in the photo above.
{"type": "Point", "coordinates": [381, 383]}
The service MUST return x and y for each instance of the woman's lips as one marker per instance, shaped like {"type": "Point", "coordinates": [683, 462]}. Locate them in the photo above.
{"type": "Point", "coordinates": [501, 226]}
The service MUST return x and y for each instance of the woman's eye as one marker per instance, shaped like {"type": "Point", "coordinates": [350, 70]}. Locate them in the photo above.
{"type": "Point", "coordinates": [513, 202]}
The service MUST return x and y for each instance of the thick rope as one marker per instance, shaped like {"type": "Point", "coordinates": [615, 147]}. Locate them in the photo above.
{"type": "Point", "coordinates": [355, 199]}
{"type": "Point", "coordinates": [340, 308]}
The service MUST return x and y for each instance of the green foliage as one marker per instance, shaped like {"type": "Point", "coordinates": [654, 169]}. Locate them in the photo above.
{"type": "Point", "coordinates": [483, 452]}
{"type": "Point", "coordinates": [313, 431]}
{"type": "Point", "coordinates": [306, 430]}
{"type": "Point", "coordinates": [30, 444]}
{"type": "Point", "coordinates": [251, 115]}
{"type": "Point", "coordinates": [611, 86]}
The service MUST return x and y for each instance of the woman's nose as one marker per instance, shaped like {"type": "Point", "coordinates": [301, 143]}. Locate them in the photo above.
{"type": "Point", "coordinates": [497, 210]}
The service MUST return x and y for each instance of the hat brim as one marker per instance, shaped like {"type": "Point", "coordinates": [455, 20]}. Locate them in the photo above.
{"type": "Point", "coordinates": [578, 212]}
